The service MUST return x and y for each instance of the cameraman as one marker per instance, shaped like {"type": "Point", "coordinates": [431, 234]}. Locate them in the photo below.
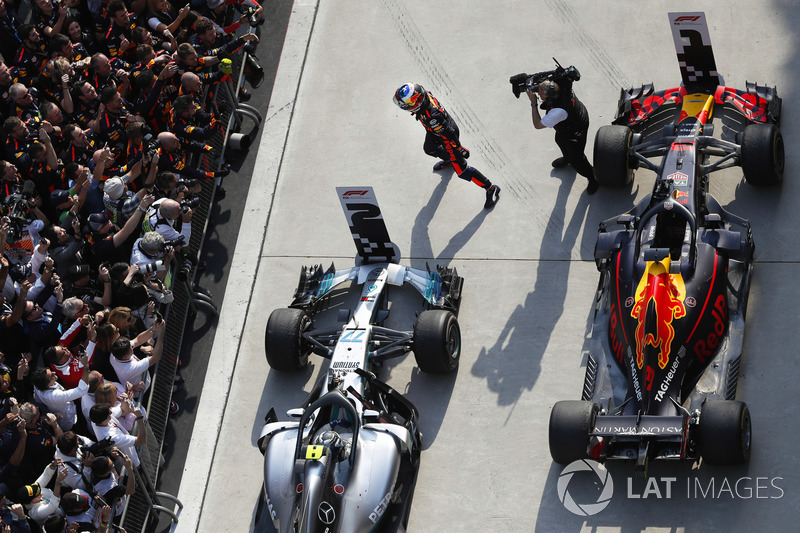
{"type": "Point", "coordinates": [161, 217]}
{"type": "Point", "coordinates": [169, 186]}
{"type": "Point", "coordinates": [151, 249]}
{"type": "Point", "coordinates": [568, 117]}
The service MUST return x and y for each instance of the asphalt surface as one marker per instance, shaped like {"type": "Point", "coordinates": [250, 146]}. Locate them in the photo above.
{"type": "Point", "coordinates": [528, 263]}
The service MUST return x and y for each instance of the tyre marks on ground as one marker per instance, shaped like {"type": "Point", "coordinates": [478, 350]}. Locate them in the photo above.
{"type": "Point", "coordinates": [498, 167]}
{"type": "Point", "coordinates": [593, 50]}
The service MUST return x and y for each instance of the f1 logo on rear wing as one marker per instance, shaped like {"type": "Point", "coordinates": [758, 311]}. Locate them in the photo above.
{"type": "Point", "coordinates": [366, 225]}
{"type": "Point", "coordinates": [695, 56]}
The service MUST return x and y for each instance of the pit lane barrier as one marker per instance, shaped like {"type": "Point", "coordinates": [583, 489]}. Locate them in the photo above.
{"type": "Point", "coordinates": [144, 508]}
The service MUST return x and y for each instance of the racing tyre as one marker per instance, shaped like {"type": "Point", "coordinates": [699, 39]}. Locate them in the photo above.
{"type": "Point", "coordinates": [725, 432]}
{"type": "Point", "coordinates": [612, 146]}
{"type": "Point", "coordinates": [283, 339]}
{"type": "Point", "coordinates": [570, 424]}
{"type": "Point", "coordinates": [762, 155]}
{"type": "Point", "coordinates": [437, 341]}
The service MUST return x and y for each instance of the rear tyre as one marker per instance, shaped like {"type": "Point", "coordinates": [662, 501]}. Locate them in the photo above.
{"type": "Point", "coordinates": [762, 155]}
{"type": "Point", "coordinates": [437, 341]}
{"type": "Point", "coordinates": [570, 424]}
{"type": "Point", "coordinates": [725, 432]}
{"type": "Point", "coordinates": [612, 146]}
{"type": "Point", "coordinates": [283, 339]}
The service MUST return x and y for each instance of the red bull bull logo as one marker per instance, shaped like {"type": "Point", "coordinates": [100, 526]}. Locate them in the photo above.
{"type": "Point", "coordinates": [667, 292]}
{"type": "Point", "coordinates": [681, 196]}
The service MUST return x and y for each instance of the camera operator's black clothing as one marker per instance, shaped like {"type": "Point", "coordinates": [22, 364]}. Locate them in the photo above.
{"type": "Point", "coordinates": [442, 140]}
{"type": "Point", "coordinates": [571, 132]}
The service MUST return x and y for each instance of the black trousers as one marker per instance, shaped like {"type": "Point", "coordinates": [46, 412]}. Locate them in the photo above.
{"type": "Point", "coordinates": [572, 145]}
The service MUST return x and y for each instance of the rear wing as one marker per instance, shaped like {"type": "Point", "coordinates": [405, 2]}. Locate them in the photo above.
{"type": "Point", "coordinates": [695, 56]}
{"type": "Point", "coordinates": [366, 225]}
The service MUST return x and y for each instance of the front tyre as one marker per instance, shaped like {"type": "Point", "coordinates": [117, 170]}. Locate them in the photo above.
{"type": "Point", "coordinates": [763, 155]}
{"type": "Point", "coordinates": [571, 421]}
{"type": "Point", "coordinates": [612, 146]}
{"type": "Point", "coordinates": [283, 339]}
{"type": "Point", "coordinates": [725, 432]}
{"type": "Point", "coordinates": [437, 341]}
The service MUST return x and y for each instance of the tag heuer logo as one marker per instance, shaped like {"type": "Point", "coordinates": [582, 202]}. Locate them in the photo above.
{"type": "Point", "coordinates": [679, 178]}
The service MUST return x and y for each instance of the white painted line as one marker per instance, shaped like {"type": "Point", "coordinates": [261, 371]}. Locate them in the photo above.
{"type": "Point", "coordinates": [243, 267]}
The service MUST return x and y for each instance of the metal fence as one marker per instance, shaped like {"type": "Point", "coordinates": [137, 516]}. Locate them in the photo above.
{"type": "Point", "coordinates": [145, 507]}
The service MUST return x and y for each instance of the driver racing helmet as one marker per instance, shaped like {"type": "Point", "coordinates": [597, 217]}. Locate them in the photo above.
{"type": "Point", "coordinates": [332, 440]}
{"type": "Point", "coordinates": [410, 97]}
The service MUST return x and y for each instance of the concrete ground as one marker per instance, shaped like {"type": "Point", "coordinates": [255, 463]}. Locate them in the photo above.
{"type": "Point", "coordinates": [528, 264]}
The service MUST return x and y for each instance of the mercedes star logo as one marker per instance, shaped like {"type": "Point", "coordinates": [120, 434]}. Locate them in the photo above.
{"type": "Point", "coordinates": [326, 513]}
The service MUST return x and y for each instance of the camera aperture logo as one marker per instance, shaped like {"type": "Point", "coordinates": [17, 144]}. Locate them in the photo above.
{"type": "Point", "coordinates": [585, 488]}
{"type": "Point", "coordinates": [603, 483]}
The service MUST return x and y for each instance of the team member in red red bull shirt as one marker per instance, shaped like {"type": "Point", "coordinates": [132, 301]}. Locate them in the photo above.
{"type": "Point", "coordinates": [442, 137]}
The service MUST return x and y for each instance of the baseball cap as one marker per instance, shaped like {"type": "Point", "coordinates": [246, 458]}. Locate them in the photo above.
{"type": "Point", "coordinates": [58, 197]}
{"type": "Point", "coordinates": [27, 493]}
{"type": "Point", "coordinates": [75, 502]}
{"type": "Point", "coordinates": [114, 188]}
{"type": "Point", "coordinates": [98, 220]}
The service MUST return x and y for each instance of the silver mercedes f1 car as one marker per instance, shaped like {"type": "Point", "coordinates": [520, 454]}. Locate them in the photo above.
{"type": "Point", "coordinates": [674, 271]}
{"type": "Point", "coordinates": [348, 459]}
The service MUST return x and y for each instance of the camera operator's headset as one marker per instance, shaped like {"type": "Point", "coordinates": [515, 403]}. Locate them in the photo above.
{"type": "Point", "coordinates": [551, 92]}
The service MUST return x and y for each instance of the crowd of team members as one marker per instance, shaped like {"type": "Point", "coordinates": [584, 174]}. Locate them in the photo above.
{"type": "Point", "coordinates": [101, 112]}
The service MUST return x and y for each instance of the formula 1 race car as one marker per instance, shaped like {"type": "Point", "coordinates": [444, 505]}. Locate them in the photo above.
{"type": "Point", "coordinates": [350, 459]}
{"type": "Point", "coordinates": [674, 272]}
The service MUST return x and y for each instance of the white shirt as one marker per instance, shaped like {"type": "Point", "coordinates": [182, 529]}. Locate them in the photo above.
{"type": "Point", "coordinates": [554, 116]}
{"type": "Point", "coordinates": [120, 436]}
{"type": "Point", "coordinates": [49, 503]}
{"type": "Point", "coordinates": [61, 401]}
{"type": "Point", "coordinates": [74, 479]}
{"type": "Point", "coordinates": [132, 370]}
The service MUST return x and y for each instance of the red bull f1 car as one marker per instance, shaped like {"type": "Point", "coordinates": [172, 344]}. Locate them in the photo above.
{"type": "Point", "coordinates": [348, 460]}
{"type": "Point", "coordinates": [675, 271]}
